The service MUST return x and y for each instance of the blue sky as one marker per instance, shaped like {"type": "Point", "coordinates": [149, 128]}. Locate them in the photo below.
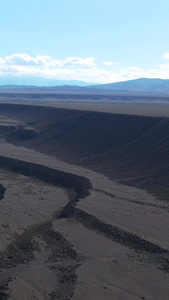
{"type": "Point", "coordinates": [92, 40]}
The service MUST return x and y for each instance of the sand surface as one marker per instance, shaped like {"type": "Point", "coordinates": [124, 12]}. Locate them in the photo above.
{"type": "Point", "coordinates": [101, 268]}
{"type": "Point", "coordinates": [26, 201]}
{"type": "Point", "coordinates": [154, 109]}
{"type": "Point", "coordinates": [110, 271]}
{"type": "Point", "coordinates": [143, 105]}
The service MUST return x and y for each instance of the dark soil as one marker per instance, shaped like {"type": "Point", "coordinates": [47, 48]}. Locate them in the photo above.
{"type": "Point", "coordinates": [63, 260]}
{"type": "Point", "coordinates": [132, 149]}
{"type": "Point", "coordinates": [2, 191]}
{"type": "Point", "coordinates": [79, 184]}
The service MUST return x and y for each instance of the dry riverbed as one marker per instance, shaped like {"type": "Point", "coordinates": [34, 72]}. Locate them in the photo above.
{"type": "Point", "coordinates": [111, 244]}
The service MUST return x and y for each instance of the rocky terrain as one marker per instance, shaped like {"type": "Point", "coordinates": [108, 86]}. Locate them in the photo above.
{"type": "Point", "coordinates": [72, 211]}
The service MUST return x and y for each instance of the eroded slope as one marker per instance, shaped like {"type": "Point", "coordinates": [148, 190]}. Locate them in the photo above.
{"type": "Point", "coordinates": [133, 149]}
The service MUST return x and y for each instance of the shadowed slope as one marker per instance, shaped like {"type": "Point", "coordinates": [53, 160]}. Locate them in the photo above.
{"type": "Point", "coordinates": [134, 149]}
{"type": "Point", "coordinates": [2, 191]}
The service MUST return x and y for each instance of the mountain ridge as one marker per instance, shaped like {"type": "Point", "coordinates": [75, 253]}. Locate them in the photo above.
{"type": "Point", "coordinates": [137, 86]}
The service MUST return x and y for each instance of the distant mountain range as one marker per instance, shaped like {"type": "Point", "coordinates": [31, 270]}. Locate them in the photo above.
{"type": "Point", "coordinates": [39, 81]}
{"type": "Point", "coordinates": [142, 85]}
{"type": "Point", "coordinates": [137, 86]}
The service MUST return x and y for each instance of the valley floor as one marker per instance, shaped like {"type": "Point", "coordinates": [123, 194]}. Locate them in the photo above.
{"type": "Point", "coordinates": [112, 244]}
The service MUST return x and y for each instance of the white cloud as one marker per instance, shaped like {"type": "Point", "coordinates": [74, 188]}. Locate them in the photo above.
{"type": "Point", "coordinates": [26, 59]}
{"type": "Point", "coordinates": [166, 55]}
{"type": "Point", "coordinates": [88, 61]}
{"type": "Point", "coordinates": [56, 62]}
{"type": "Point", "coordinates": [76, 68]}
{"type": "Point", "coordinates": [70, 61]}
{"type": "Point", "coordinates": [2, 61]}
{"type": "Point", "coordinates": [108, 63]}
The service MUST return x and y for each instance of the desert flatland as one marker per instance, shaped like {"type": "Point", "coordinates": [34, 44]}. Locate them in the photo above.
{"type": "Point", "coordinates": [84, 204]}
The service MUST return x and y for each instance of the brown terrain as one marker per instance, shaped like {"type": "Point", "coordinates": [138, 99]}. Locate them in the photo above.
{"type": "Point", "coordinates": [84, 199]}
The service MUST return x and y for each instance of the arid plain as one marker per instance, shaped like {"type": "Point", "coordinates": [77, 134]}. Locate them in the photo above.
{"type": "Point", "coordinates": [84, 201]}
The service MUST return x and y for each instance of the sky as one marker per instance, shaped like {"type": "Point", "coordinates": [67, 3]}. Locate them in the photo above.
{"type": "Point", "coordinates": [98, 41]}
